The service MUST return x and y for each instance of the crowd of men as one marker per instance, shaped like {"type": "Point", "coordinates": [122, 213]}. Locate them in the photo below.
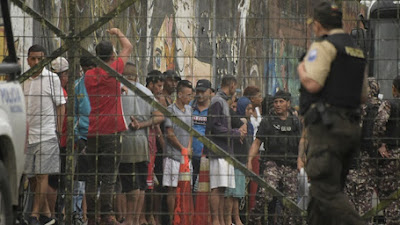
{"type": "Point", "coordinates": [128, 153]}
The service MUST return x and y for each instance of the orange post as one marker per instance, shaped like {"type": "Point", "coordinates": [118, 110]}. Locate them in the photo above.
{"type": "Point", "coordinates": [183, 213]}
{"type": "Point", "coordinates": [203, 216]}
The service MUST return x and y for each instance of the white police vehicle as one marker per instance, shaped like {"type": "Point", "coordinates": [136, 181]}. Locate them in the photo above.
{"type": "Point", "coordinates": [13, 128]}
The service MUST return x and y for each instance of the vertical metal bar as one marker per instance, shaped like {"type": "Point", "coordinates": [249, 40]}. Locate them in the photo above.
{"type": "Point", "coordinates": [142, 17]}
{"type": "Point", "coordinates": [266, 27]}
{"type": "Point", "coordinates": [69, 170]}
{"type": "Point", "coordinates": [214, 43]}
{"type": "Point", "coordinates": [265, 30]}
{"type": "Point", "coordinates": [230, 37]}
{"type": "Point", "coordinates": [9, 34]}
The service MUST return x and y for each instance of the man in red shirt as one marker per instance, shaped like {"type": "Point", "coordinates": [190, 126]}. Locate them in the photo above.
{"type": "Point", "coordinates": [106, 122]}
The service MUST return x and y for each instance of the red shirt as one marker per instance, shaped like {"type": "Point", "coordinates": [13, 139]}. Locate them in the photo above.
{"type": "Point", "coordinates": [63, 139]}
{"type": "Point", "coordinates": [104, 93]}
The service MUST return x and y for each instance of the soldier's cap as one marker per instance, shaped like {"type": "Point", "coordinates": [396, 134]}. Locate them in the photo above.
{"type": "Point", "coordinates": [59, 65]}
{"type": "Point", "coordinates": [203, 85]}
{"type": "Point", "coordinates": [327, 14]}
{"type": "Point", "coordinates": [172, 74]}
{"type": "Point", "coordinates": [282, 94]}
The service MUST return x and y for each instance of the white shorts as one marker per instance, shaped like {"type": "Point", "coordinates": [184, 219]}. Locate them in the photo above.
{"type": "Point", "coordinates": [171, 172]}
{"type": "Point", "coordinates": [222, 174]}
{"type": "Point", "coordinates": [42, 158]}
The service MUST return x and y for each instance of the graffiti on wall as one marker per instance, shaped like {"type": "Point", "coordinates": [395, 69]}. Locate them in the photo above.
{"type": "Point", "coordinates": [193, 68]}
{"type": "Point", "coordinates": [173, 44]}
{"type": "Point", "coordinates": [282, 67]}
{"type": "Point", "coordinates": [164, 46]}
{"type": "Point", "coordinates": [179, 35]}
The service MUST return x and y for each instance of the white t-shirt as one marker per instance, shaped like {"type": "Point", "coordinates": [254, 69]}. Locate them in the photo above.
{"type": "Point", "coordinates": [42, 95]}
{"type": "Point", "coordinates": [256, 123]}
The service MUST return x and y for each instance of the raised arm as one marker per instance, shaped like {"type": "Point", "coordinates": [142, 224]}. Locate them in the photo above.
{"type": "Point", "coordinates": [125, 43]}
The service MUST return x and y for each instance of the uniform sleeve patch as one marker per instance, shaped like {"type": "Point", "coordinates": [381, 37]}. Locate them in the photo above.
{"type": "Point", "coordinates": [312, 56]}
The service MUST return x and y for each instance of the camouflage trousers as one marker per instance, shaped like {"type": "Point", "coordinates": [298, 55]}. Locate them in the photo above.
{"type": "Point", "coordinates": [388, 181]}
{"type": "Point", "coordinates": [379, 175]}
{"type": "Point", "coordinates": [279, 177]}
{"type": "Point", "coordinates": [361, 184]}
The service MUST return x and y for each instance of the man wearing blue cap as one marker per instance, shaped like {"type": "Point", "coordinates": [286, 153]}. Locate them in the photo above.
{"type": "Point", "coordinates": [200, 111]}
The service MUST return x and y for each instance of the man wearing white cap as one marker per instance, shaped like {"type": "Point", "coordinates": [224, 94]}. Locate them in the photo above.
{"type": "Point", "coordinates": [59, 66]}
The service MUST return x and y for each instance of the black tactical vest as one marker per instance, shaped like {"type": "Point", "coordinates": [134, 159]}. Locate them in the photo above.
{"type": "Point", "coordinates": [393, 125]}
{"type": "Point", "coordinates": [283, 140]}
{"type": "Point", "coordinates": [345, 80]}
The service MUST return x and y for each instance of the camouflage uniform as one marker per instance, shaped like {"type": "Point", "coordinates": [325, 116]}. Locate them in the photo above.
{"type": "Point", "coordinates": [278, 168]}
{"type": "Point", "coordinates": [280, 177]}
{"type": "Point", "coordinates": [361, 183]}
{"type": "Point", "coordinates": [388, 169]}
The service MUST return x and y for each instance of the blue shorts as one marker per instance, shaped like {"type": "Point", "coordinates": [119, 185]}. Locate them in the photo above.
{"type": "Point", "coordinates": [240, 190]}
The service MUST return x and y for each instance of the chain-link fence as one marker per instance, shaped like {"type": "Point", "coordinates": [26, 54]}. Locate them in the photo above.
{"type": "Point", "coordinates": [112, 131]}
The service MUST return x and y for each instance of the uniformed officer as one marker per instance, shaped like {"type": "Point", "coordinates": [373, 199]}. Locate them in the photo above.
{"type": "Point", "coordinates": [387, 133]}
{"type": "Point", "coordinates": [333, 71]}
{"type": "Point", "coordinates": [280, 133]}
